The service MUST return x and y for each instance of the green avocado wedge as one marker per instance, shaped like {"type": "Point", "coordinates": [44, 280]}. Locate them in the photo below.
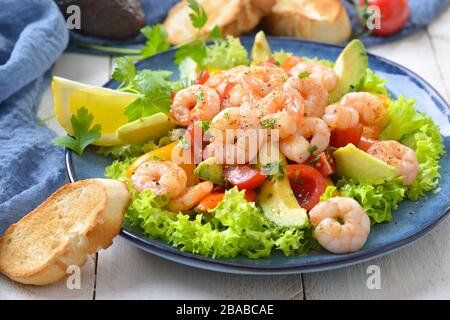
{"type": "Point", "coordinates": [211, 170]}
{"type": "Point", "coordinates": [354, 163]}
{"type": "Point", "coordinates": [142, 130]}
{"type": "Point", "coordinates": [351, 67]}
{"type": "Point", "coordinates": [277, 200]}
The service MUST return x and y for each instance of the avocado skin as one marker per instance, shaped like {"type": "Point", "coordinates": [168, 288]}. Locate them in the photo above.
{"type": "Point", "coordinates": [351, 67]}
{"type": "Point", "coordinates": [110, 19]}
{"type": "Point", "coordinates": [354, 163]}
{"type": "Point", "coordinates": [210, 170]}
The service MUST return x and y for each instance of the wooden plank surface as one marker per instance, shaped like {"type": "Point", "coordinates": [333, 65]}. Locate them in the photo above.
{"type": "Point", "coordinates": [419, 271]}
{"type": "Point", "coordinates": [125, 272]}
{"type": "Point", "coordinates": [92, 70]}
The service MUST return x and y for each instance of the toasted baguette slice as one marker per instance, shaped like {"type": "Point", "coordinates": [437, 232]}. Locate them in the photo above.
{"type": "Point", "coordinates": [317, 20]}
{"type": "Point", "coordinates": [75, 221]}
{"type": "Point", "coordinates": [233, 17]}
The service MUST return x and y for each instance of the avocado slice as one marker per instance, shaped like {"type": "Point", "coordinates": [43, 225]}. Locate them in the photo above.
{"type": "Point", "coordinates": [144, 129]}
{"type": "Point", "coordinates": [277, 200]}
{"type": "Point", "coordinates": [210, 169]}
{"type": "Point", "coordinates": [261, 49]}
{"type": "Point", "coordinates": [351, 67]}
{"type": "Point", "coordinates": [354, 163]}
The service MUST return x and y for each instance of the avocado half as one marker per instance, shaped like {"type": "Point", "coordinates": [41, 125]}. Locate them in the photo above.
{"type": "Point", "coordinates": [351, 67]}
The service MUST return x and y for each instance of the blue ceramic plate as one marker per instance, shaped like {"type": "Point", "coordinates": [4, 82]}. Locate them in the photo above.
{"type": "Point", "coordinates": [411, 221]}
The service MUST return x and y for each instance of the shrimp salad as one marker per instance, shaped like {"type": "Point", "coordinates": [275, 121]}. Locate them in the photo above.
{"type": "Point", "coordinates": [275, 156]}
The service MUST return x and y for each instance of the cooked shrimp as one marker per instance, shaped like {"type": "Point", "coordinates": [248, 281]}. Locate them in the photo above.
{"type": "Point", "coordinates": [340, 225]}
{"type": "Point", "coordinates": [289, 100]}
{"type": "Point", "coordinates": [297, 147]}
{"type": "Point", "coordinates": [325, 75]}
{"type": "Point", "coordinates": [399, 156]}
{"type": "Point", "coordinates": [281, 121]}
{"type": "Point", "coordinates": [340, 117]}
{"type": "Point", "coordinates": [220, 80]}
{"type": "Point", "coordinates": [190, 197]}
{"type": "Point", "coordinates": [371, 109]}
{"type": "Point", "coordinates": [162, 177]}
{"type": "Point", "coordinates": [315, 95]}
{"type": "Point", "coordinates": [197, 102]}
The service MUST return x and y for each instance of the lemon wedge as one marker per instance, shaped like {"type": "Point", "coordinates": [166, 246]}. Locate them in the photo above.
{"type": "Point", "coordinates": [106, 106]}
{"type": "Point", "coordinates": [141, 130]}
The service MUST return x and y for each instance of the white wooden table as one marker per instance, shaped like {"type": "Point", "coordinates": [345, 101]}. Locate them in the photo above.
{"type": "Point", "coordinates": [124, 272]}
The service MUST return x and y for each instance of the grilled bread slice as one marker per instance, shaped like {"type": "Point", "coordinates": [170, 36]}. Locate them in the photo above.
{"type": "Point", "coordinates": [75, 221]}
{"type": "Point", "coordinates": [316, 20]}
{"type": "Point", "coordinates": [233, 17]}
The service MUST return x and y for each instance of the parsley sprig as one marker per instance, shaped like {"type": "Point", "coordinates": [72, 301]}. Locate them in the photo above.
{"type": "Point", "coordinates": [152, 87]}
{"type": "Point", "coordinates": [83, 132]}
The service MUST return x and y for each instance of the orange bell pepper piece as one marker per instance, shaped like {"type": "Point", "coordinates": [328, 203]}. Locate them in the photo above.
{"type": "Point", "coordinates": [164, 153]}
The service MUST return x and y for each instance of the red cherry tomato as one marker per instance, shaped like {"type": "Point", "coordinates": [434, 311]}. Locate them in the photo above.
{"type": "Point", "coordinates": [342, 137]}
{"type": "Point", "coordinates": [307, 184]}
{"type": "Point", "coordinates": [394, 15]}
{"type": "Point", "coordinates": [244, 177]}
{"type": "Point", "coordinates": [365, 143]}
{"type": "Point", "coordinates": [250, 195]}
{"type": "Point", "coordinates": [325, 164]}
{"type": "Point", "coordinates": [204, 76]}
{"type": "Point", "coordinates": [290, 62]}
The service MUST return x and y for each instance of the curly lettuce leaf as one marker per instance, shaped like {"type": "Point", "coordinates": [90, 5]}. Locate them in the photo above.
{"type": "Point", "coordinates": [373, 84]}
{"type": "Point", "coordinates": [234, 227]}
{"type": "Point", "coordinates": [417, 131]}
{"type": "Point", "coordinates": [377, 200]}
{"type": "Point", "coordinates": [225, 54]}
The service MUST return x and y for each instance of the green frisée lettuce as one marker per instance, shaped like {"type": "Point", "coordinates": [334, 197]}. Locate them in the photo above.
{"type": "Point", "coordinates": [225, 54]}
{"type": "Point", "coordinates": [417, 131]}
{"type": "Point", "coordinates": [234, 227]}
{"type": "Point", "coordinates": [374, 84]}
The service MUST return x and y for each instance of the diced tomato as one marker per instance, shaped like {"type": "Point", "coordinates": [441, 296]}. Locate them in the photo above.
{"type": "Point", "coordinates": [204, 76]}
{"type": "Point", "coordinates": [271, 62]}
{"type": "Point", "coordinates": [365, 143]}
{"type": "Point", "coordinates": [250, 195]}
{"type": "Point", "coordinates": [244, 177]}
{"type": "Point", "coordinates": [290, 62]}
{"type": "Point", "coordinates": [342, 137]}
{"type": "Point", "coordinates": [307, 184]}
{"type": "Point", "coordinates": [326, 164]}
{"type": "Point", "coordinates": [226, 91]}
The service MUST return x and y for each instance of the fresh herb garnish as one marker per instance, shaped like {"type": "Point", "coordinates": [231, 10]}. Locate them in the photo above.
{"type": "Point", "coordinates": [183, 143]}
{"type": "Point", "coordinates": [156, 40]}
{"type": "Point", "coordinates": [269, 123]}
{"type": "Point", "coordinates": [297, 178]}
{"type": "Point", "coordinates": [312, 149]}
{"type": "Point", "coordinates": [204, 124]}
{"type": "Point", "coordinates": [151, 86]}
{"type": "Point", "coordinates": [198, 15]}
{"type": "Point", "coordinates": [273, 169]}
{"type": "Point", "coordinates": [83, 132]}
{"type": "Point", "coordinates": [156, 158]}
{"type": "Point", "coordinates": [315, 160]}
{"type": "Point", "coordinates": [200, 96]}
{"type": "Point", "coordinates": [226, 115]}
{"type": "Point", "coordinates": [303, 75]}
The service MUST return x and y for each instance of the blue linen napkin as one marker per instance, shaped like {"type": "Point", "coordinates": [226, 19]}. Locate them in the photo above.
{"type": "Point", "coordinates": [32, 36]}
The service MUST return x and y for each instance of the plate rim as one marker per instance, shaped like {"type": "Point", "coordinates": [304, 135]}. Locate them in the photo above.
{"type": "Point", "coordinates": [193, 260]}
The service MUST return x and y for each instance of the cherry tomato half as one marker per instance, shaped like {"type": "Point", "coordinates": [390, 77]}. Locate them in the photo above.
{"type": "Point", "coordinates": [365, 143]}
{"type": "Point", "coordinates": [307, 184]}
{"type": "Point", "coordinates": [325, 164]}
{"type": "Point", "coordinates": [394, 15]}
{"type": "Point", "coordinates": [244, 177]}
{"type": "Point", "coordinates": [204, 76]}
{"type": "Point", "coordinates": [342, 137]}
